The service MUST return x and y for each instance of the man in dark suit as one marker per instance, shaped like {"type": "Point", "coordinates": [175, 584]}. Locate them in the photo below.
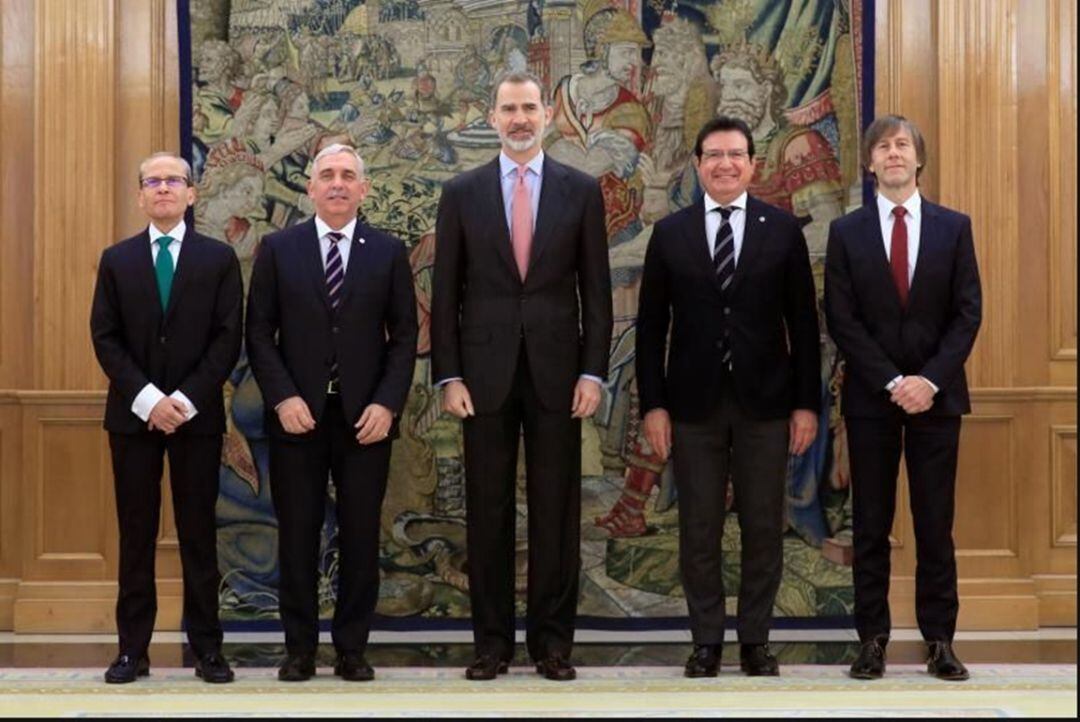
{"type": "Point", "coordinates": [166, 329]}
{"type": "Point", "coordinates": [331, 335]}
{"type": "Point", "coordinates": [903, 304]}
{"type": "Point", "coordinates": [739, 389]}
{"type": "Point", "coordinates": [520, 241]}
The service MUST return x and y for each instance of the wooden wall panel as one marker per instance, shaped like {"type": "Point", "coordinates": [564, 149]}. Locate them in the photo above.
{"type": "Point", "coordinates": [16, 196]}
{"type": "Point", "coordinates": [985, 481]}
{"type": "Point", "coordinates": [1061, 59]}
{"type": "Point", "coordinates": [1063, 486]}
{"type": "Point", "coordinates": [10, 467]}
{"type": "Point", "coordinates": [75, 120]}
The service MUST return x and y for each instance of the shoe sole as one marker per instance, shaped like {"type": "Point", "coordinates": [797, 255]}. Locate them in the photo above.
{"type": "Point", "coordinates": [865, 675]}
{"type": "Point", "coordinates": [950, 677]}
{"type": "Point", "coordinates": [226, 680]}
{"type": "Point", "coordinates": [502, 668]}
{"type": "Point", "coordinates": [555, 678]}
{"type": "Point", "coordinates": [354, 678]}
{"type": "Point", "coordinates": [702, 675]}
{"type": "Point", "coordinates": [755, 673]}
{"type": "Point", "coordinates": [138, 673]}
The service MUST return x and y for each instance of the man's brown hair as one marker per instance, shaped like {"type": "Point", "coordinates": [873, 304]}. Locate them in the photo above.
{"type": "Point", "coordinates": [885, 127]}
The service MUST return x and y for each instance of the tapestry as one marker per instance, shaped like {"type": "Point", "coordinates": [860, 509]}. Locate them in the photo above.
{"type": "Point", "coordinates": [407, 82]}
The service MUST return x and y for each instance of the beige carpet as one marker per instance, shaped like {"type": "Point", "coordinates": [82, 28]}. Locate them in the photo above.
{"type": "Point", "coordinates": [803, 691]}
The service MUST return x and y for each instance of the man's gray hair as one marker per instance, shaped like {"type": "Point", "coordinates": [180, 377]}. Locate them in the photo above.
{"type": "Point", "coordinates": [165, 154]}
{"type": "Point", "coordinates": [334, 149]}
{"type": "Point", "coordinates": [517, 77]}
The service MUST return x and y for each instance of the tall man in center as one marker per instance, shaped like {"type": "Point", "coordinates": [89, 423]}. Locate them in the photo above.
{"type": "Point", "coordinates": [521, 325]}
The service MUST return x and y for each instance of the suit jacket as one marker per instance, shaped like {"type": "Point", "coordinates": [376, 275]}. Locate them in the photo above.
{"type": "Point", "coordinates": [878, 338]}
{"type": "Point", "coordinates": [294, 335]}
{"type": "Point", "coordinates": [769, 312]}
{"type": "Point", "coordinates": [481, 310]}
{"type": "Point", "coordinates": [192, 346]}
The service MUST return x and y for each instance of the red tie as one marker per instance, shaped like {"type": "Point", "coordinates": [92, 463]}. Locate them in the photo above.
{"type": "Point", "coordinates": [898, 254]}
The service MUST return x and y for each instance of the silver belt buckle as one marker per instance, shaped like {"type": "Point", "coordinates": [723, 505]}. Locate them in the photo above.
{"type": "Point", "coordinates": [333, 386]}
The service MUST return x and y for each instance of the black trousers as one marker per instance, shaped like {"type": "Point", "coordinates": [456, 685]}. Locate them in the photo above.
{"type": "Point", "coordinates": [553, 488]}
{"type": "Point", "coordinates": [930, 449]}
{"type": "Point", "coordinates": [753, 453]}
{"type": "Point", "coordinates": [194, 465]}
{"type": "Point", "coordinates": [299, 469]}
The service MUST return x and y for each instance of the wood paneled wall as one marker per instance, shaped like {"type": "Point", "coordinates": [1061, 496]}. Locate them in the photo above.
{"type": "Point", "coordinates": [89, 88]}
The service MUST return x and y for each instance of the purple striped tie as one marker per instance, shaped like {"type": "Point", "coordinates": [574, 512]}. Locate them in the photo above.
{"type": "Point", "coordinates": [335, 278]}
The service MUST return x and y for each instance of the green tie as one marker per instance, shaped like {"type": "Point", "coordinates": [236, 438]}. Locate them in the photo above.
{"type": "Point", "coordinates": [163, 269]}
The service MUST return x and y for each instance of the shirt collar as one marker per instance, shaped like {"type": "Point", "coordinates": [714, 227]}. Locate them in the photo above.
{"type": "Point", "coordinates": [322, 228]}
{"type": "Point", "coordinates": [508, 166]}
{"type": "Point", "coordinates": [176, 233]}
{"type": "Point", "coordinates": [912, 205]}
{"type": "Point", "coordinates": [739, 202]}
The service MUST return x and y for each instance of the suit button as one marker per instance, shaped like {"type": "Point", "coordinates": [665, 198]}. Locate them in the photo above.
{"type": "Point", "coordinates": [334, 329]}
{"type": "Point", "coordinates": [727, 311]}
{"type": "Point", "coordinates": [161, 339]}
{"type": "Point", "coordinates": [720, 344]}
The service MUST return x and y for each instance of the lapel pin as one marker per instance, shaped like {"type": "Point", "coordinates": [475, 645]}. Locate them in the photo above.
{"type": "Point", "coordinates": [761, 219]}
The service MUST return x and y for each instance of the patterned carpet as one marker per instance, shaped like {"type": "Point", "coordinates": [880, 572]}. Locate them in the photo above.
{"type": "Point", "coordinates": [802, 691]}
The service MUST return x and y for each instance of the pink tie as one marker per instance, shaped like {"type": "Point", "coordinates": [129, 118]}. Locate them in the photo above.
{"type": "Point", "coordinates": [521, 222]}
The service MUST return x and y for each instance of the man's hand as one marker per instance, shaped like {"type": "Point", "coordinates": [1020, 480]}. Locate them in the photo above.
{"type": "Point", "coordinates": [374, 424]}
{"type": "Point", "coordinates": [167, 415]}
{"type": "Point", "coordinates": [456, 399]}
{"type": "Point", "coordinates": [586, 399]}
{"type": "Point", "coordinates": [658, 432]}
{"type": "Point", "coordinates": [913, 394]}
{"type": "Point", "coordinates": [294, 415]}
{"type": "Point", "coordinates": [802, 430]}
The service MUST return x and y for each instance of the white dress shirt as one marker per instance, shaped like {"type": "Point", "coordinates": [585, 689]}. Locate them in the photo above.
{"type": "Point", "coordinates": [913, 220]}
{"type": "Point", "coordinates": [148, 398]}
{"type": "Point", "coordinates": [737, 221]}
{"type": "Point", "coordinates": [344, 246]}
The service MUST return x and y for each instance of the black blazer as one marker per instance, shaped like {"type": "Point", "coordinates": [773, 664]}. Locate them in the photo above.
{"type": "Point", "coordinates": [880, 340]}
{"type": "Point", "coordinates": [481, 310]}
{"type": "Point", "coordinates": [770, 312]}
{"type": "Point", "coordinates": [192, 346]}
{"type": "Point", "coordinates": [294, 335]}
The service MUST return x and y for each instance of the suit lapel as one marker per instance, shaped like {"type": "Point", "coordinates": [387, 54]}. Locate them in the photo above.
{"type": "Point", "coordinates": [928, 244]}
{"type": "Point", "coordinates": [553, 188]}
{"type": "Point", "coordinates": [190, 247]}
{"type": "Point", "coordinates": [491, 201]}
{"type": "Point", "coordinates": [754, 228]}
{"type": "Point", "coordinates": [355, 268]}
{"type": "Point", "coordinates": [876, 251]}
{"type": "Point", "coordinates": [697, 243]}
{"type": "Point", "coordinates": [311, 253]}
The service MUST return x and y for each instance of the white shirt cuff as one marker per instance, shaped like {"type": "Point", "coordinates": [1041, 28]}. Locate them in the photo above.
{"type": "Point", "coordinates": [930, 384]}
{"type": "Point", "coordinates": [590, 377]}
{"type": "Point", "coordinates": [190, 412]}
{"type": "Point", "coordinates": [146, 400]}
{"type": "Point", "coordinates": [892, 384]}
{"type": "Point", "coordinates": [444, 382]}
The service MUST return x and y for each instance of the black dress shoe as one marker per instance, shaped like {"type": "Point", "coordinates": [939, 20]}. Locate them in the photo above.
{"type": "Point", "coordinates": [757, 661]}
{"type": "Point", "coordinates": [126, 668]}
{"type": "Point", "coordinates": [213, 668]}
{"type": "Point", "coordinates": [557, 668]}
{"type": "Point", "coordinates": [870, 663]}
{"type": "Point", "coordinates": [297, 668]}
{"type": "Point", "coordinates": [704, 661]}
{"type": "Point", "coordinates": [352, 667]}
{"type": "Point", "coordinates": [944, 664]}
{"type": "Point", "coordinates": [485, 667]}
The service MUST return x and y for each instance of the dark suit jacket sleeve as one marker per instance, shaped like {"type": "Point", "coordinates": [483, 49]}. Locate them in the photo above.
{"type": "Point", "coordinates": [446, 289]}
{"type": "Point", "coordinates": [217, 362]}
{"type": "Point", "coordinates": [862, 353]}
{"type": "Point", "coordinates": [594, 287]}
{"type": "Point", "coordinates": [263, 321]}
{"type": "Point", "coordinates": [106, 332]}
{"type": "Point", "coordinates": [401, 330]}
{"type": "Point", "coordinates": [804, 334]}
{"type": "Point", "coordinates": [654, 317]}
{"type": "Point", "coordinates": [965, 314]}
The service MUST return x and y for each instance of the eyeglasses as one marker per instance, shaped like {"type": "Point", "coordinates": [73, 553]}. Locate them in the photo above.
{"type": "Point", "coordinates": [733, 155]}
{"type": "Point", "coordinates": [173, 181]}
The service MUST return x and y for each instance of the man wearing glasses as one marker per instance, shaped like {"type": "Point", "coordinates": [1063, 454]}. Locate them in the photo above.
{"type": "Point", "coordinates": [166, 327]}
{"type": "Point", "coordinates": [740, 390]}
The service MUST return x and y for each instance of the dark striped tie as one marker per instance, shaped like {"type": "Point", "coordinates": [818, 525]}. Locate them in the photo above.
{"type": "Point", "coordinates": [335, 277]}
{"type": "Point", "coordinates": [724, 265]}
